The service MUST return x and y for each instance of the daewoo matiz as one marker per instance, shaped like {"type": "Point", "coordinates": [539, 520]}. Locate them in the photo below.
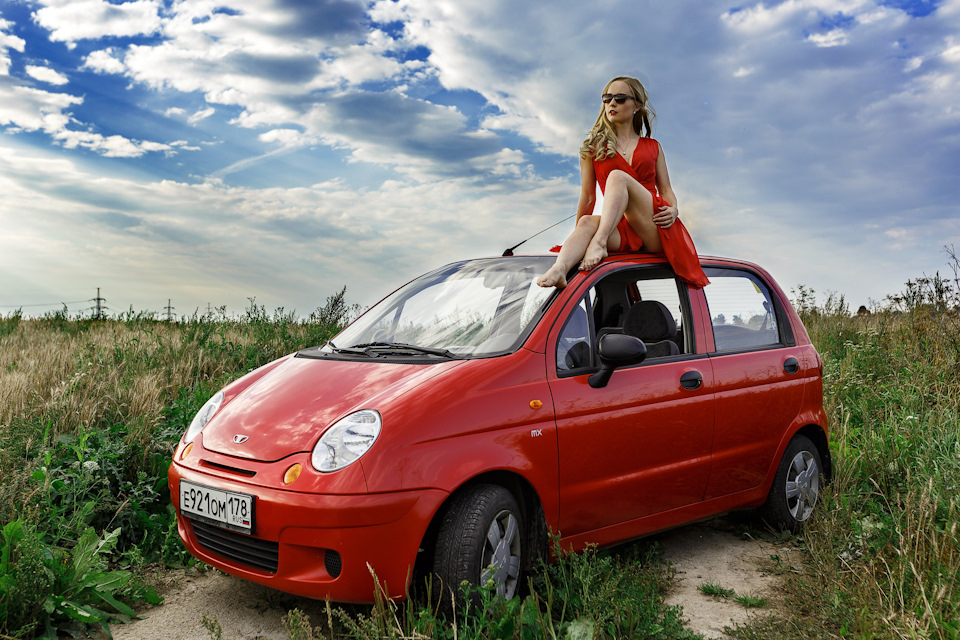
{"type": "Point", "coordinates": [455, 423]}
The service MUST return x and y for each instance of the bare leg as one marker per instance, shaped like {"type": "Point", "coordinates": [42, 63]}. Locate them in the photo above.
{"type": "Point", "coordinates": [624, 196]}
{"type": "Point", "coordinates": [571, 252]}
{"type": "Point", "coordinates": [631, 199]}
{"type": "Point", "coordinates": [596, 236]}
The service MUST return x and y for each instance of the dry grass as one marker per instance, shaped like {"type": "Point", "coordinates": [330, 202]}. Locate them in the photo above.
{"type": "Point", "coordinates": [109, 371]}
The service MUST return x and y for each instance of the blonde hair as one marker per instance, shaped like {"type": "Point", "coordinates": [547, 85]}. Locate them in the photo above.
{"type": "Point", "coordinates": [601, 143]}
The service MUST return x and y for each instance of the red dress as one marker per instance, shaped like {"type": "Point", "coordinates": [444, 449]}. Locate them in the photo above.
{"type": "Point", "coordinates": [677, 243]}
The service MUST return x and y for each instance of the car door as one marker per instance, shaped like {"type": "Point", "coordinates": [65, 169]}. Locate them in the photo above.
{"type": "Point", "coordinates": [641, 444]}
{"type": "Point", "coordinates": [759, 384]}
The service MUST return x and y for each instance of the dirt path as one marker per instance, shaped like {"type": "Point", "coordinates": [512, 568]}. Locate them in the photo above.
{"type": "Point", "coordinates": [708, 552]}
{"type": "Point", "coordinates": [712, 552]}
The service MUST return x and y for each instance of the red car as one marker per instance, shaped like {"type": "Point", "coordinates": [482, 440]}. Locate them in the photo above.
{"type": "Point", "coordinates": [455, 423]}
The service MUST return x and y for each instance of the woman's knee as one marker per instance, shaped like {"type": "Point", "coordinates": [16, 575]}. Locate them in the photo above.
{"type": "Point", "coordinates": [618, 178]}
{"type": "Point", "coordinates": [588, 222]}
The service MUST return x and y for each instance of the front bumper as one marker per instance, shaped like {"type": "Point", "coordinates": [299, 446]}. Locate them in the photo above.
{"type": "Point", "coordinates": [314, 545]}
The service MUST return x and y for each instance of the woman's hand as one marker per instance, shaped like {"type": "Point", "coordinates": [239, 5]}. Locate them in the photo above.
{"type": "Point", "coordinates": [666, 216]}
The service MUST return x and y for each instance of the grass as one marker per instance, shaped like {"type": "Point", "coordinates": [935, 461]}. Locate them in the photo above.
{"type": "Point", "coordinates": [751, 601]}
{"type": "Point", "coordinates": [594, 594]}
{"type": "Point", "coordinates": [883, 552]}
{"type": "Point", "coordinates": [90, 412]}
{"type": "Point", "coordinates": [714, 590]}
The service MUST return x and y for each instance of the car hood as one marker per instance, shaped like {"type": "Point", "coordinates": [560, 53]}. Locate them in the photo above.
{"type": "Point", "coordinates": [285, 411]}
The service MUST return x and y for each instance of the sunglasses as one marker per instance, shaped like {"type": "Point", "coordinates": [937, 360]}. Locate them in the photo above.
{"type": "Point", "coordinates": [620, 98]}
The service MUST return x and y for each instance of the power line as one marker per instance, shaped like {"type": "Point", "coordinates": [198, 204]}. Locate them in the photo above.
{"type": "Point", "coordinates": [42, 304]}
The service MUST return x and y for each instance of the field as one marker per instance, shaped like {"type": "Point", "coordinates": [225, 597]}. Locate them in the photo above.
{"type": "Point", "coordinates": [90, 411]}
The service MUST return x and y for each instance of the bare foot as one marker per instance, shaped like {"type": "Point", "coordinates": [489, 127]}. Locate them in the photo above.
{"type": "Point", "coordinates": [595, 253]}
{"type": "Point", "coordinates": [555, 277]}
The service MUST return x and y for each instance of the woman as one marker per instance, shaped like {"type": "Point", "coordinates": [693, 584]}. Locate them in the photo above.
{"type": "Point", "coordinates": [639, 206]}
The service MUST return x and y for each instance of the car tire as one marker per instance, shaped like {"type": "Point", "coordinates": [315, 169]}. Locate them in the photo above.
{"type": "Point", "coordinates": [796, 486]}
{"type": "Point", "coordinates": [481, 538]}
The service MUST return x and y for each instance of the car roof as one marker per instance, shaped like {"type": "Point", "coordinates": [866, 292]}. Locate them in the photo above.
{"type": "Point", "coordinates": [659, 258]}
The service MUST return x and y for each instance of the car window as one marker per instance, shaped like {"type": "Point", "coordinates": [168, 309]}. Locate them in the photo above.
{"type": "Point", "coordinates": [471, 308]}
{"type": "Point", "coordinates": [465, 303]}
{"type": "Point", "coordinates": [741, 311]}
{"type": "Point", "coordinates": [575, 345]}
{"type": "Point", "coordinates": [645, 303]}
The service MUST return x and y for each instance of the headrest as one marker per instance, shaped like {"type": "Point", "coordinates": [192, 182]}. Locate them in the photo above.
{"type": "Point", "coordinates": [651, 321]}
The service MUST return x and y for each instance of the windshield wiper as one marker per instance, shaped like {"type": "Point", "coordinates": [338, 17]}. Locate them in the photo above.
{"type": "Point", "coordinates": [351, 350]}
{"type": "Point", "coordinates": [367, 347]}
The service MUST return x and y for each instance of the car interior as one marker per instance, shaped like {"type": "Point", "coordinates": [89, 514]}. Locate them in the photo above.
{"type": "Point", "coordinates": [644, 304]}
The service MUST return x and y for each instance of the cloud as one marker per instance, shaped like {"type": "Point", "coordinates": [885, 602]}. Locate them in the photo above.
{"type": "Point", "coordinates": [203, 114]}
{"type": "Point", "coordinates": [69, 21]}
{"type": "Point", "coordinates": [8, 41]}
{"type": "Point", "coordinates": [284, 246]}
{"type": "Point", "coordinates": [389, 128]}
{"type": "Point", "coordinates": [28, 109]}
{"type": "Point", "coordinates": [103, 61]}
{"type": "Point", "coordinates": [285, 137]}
{"type": "Point", "coordinates": [832, 38]}
{"type": "Point", "coordinates": [46, 74]}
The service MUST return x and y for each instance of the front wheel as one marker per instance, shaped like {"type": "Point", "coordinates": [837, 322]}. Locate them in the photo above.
{"type": "Point", "coordinates": [796, 487]}
{"type": "Point", "coordinates": [481, 539]}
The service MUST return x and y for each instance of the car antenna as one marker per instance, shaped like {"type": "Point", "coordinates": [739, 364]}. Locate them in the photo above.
{"type": "Point", "coordinates": [509, 252]}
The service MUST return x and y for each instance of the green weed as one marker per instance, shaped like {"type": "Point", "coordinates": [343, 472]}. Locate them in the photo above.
{"type": "Point", "coordinates": [751, 601]}
{"type": "Point", "coordinates": [213, 627]}
{"type": "Point", "coordinates": [716, 591]}
{"type": "Point", "coordinates": [610, 594]}
{"type": "Point", "coordinates": [45, 589]}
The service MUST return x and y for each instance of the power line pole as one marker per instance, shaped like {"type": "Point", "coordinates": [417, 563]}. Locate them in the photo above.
{"type": "Point", "coordinates": [98, 309]}
{"type": "Point", "coordinates": [169, 311]}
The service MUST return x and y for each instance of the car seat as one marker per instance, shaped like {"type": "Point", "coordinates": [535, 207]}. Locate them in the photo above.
{"type": "Point", "coordinates": [652, 322]}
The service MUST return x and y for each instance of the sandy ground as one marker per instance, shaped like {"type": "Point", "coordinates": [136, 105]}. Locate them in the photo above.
{"type": "Point", "coordinates": [713, 552]}
{"type": "Point", "coordinates": [707, 552]}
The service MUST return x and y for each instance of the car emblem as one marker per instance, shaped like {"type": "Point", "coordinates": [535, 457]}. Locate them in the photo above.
{"type": "Point", "coordinates": [240, 438]}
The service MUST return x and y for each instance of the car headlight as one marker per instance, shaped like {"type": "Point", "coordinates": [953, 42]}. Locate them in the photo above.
{"type": "Point", "coordinates": [346, 441]}
{"type": "Point", "coordinates": [203, 417]}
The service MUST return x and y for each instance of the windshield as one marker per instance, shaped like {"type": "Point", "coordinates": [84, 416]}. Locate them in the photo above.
{"type": "Point", "coordinates": [472, 308]}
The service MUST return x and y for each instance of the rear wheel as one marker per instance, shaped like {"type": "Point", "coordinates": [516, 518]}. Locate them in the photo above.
{"type": "Point", "coordinates": [796, 487]}
{"type": "Point", "coordinates": [481, 538]}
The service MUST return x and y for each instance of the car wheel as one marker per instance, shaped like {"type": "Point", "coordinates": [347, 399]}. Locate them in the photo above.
{"type": "Point", "coordinates": [796, 487]}
{"type": "Point", "coordinates": [480, 539]}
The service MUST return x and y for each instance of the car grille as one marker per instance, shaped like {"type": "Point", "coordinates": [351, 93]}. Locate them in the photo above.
{"type": "Point", "coordinates": [259, 554]}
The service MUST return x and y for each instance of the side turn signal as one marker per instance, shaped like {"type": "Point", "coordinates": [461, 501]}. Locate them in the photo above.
{"type": "Point", "coordinates": [535, 404]}
{"type": "Point", "coordinates": [292, 473]}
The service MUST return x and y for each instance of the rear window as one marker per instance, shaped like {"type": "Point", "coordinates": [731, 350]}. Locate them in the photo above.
{"type": "Point", "coordinates": [742, 311]}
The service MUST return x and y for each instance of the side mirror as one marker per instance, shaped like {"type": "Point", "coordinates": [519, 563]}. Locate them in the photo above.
{"type": "Point", "coordinates": [616, 350]}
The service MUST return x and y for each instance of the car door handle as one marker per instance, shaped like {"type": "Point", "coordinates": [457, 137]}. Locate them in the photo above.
{"type": "Point", "coordinates": [791, 365]}
{"type": "Point", "coordinates": [691, 380]}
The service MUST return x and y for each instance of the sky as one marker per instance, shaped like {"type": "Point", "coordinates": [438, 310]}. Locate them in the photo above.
{"type": "Point", "coordinates": [210, 152]}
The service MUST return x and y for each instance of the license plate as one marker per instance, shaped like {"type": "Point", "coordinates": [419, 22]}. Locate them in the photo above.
{"type": "Point", "coordinates": [226, 509]}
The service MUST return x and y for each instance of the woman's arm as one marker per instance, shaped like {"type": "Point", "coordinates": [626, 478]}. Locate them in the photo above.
{"type": "Point", "coordinates": [588, 188]}
{"type": "Point", "coordinates": [666, 216]}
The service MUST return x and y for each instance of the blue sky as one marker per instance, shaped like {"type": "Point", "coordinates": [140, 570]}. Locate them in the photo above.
{"type": "Point", "coordinates": [210, 151]}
